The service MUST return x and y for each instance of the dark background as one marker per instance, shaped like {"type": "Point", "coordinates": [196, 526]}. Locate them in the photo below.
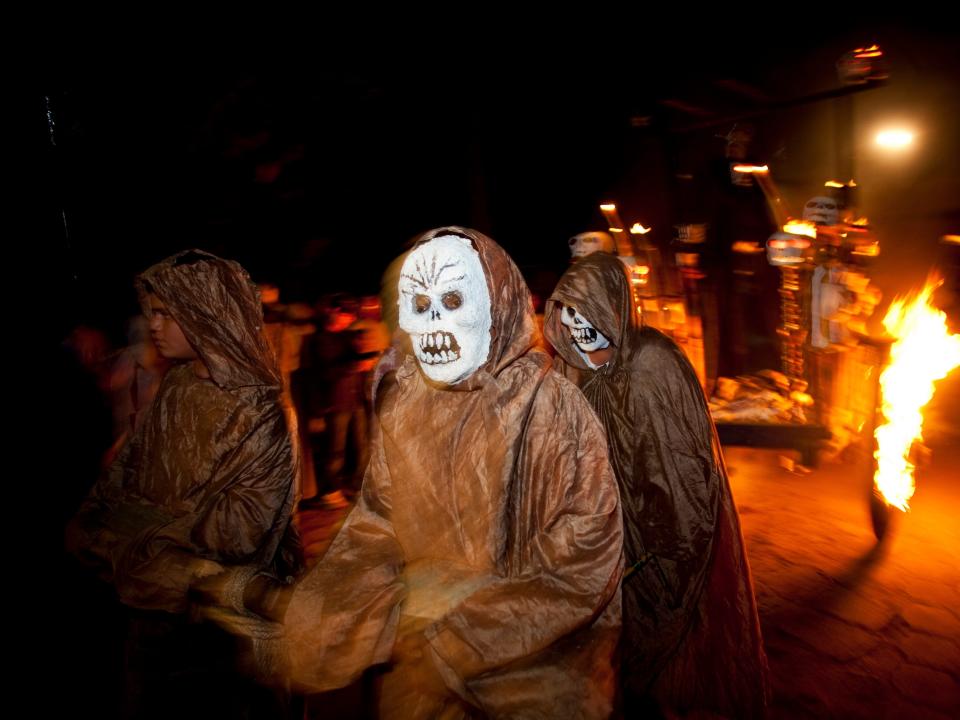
{"type": "Point", "coordinates": [313, 165]}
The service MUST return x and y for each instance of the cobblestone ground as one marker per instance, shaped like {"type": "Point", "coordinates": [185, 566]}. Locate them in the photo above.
{"type": "Point", "coordinates": [853, 628]}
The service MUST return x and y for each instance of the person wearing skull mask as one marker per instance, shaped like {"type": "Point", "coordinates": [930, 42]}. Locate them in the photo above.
{"type": "Point", "coordinates": [485, 551]}
{"type": "Point", "coordinates": [691, 636]}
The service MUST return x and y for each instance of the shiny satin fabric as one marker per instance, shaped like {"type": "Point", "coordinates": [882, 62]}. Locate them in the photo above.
{"type": "Point", "coordinates": [488, 528]}
{"type": "Point", "coordinates": [691, 636]}
{"type": "Point", "coordinates": [208, 480]}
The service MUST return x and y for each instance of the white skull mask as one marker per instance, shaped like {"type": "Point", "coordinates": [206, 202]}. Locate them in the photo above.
{"type": "Point", "coordinates": [445, 308]}
{"type": "Point", "coordinates": [585, 335]}
{"type": "Point", "coordinates": [822, 210]}
{"type": "Point", "coordinates": [590, 242]}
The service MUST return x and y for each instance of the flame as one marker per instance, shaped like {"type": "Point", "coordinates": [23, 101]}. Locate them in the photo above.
{"type": "Point", "coordinates": [751, 168]}
{"type": "Point", "coordinates": [639, 229]}
{"type": "Point", "coordinates": [923, 352]}
{"type": "Point", "coordinates": [838, 184]}
{"type": "Point", "coordinates": [872, 51]}
{"type": "Point", "coordinates": [801, 227]}
{"type": "Point", "coordinates": [608, 207]}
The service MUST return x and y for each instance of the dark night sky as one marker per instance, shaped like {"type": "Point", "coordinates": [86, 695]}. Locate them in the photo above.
{"type": "Point", "coordinates": [314, 168]}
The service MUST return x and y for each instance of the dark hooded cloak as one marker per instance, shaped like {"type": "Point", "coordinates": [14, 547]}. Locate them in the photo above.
{"type": "Point", "coordinates": [488, 524]}
{"type": "Point", "coordinates": [208, 480]}
{"type": "Point", "coordinates": [691, 635]}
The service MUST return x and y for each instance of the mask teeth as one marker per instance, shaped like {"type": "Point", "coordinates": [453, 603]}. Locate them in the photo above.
{"type": "Point", "coordinates": [437, 348]}
{"type": "Point", "coordinates": [584, 335]}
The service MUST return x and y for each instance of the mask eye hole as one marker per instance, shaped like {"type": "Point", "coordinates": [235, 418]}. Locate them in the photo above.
{"type": "Point", "coordinates": [421, 303]}
{"type": "Point", "coordinates": [452, 300]}
{"type": "Point", "coordinates": [571, 311]}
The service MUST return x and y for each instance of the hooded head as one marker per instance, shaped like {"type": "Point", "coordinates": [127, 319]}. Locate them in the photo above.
{"type": "Point", "coordinates": [464, 306]}
{"type": "Point", "coordinates": [597, 288]}
{"type": "Point", "coordinates": [218, 309]}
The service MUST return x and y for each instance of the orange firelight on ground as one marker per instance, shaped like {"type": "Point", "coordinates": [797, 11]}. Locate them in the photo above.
{"type": "Point", "coordinates": [924, 351]}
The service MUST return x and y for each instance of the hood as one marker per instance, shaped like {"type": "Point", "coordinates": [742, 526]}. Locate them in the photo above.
{"type": "Point", "coordinates": [598, 287]}
{"type": "Point", "coordinates": [218, 308]}
{"type": "Point", "coordinates": [513, 329]}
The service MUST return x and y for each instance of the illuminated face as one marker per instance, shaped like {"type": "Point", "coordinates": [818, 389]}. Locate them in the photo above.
{"type": "Point", "coordinates": [445, 308]}
{"type": "Point", "coordinates": [585, 335]}
{"type": "Point", "coordinates": [166, 333]}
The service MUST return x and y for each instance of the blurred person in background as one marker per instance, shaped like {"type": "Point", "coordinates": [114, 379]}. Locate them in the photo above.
{"type": "Point", "coordinates": [206, 483]}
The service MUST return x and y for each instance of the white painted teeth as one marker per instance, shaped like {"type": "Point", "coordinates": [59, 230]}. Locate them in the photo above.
{"type": "Point", "coordinates": [446, 341]}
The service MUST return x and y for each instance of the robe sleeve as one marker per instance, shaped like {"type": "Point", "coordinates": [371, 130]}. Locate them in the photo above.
{"type": "Point", "coordinates": [245, 521]}
{"type": "Point", "coordinates": [566, 562]}
{"type": "Point", "coordinates": [242, 522]}
{"type": "Point", "coordinates": [153, 556]}
{"type": "Point", "coordinates": [343, 615]}
{"type": "Point", "coordinates": [96, 533]}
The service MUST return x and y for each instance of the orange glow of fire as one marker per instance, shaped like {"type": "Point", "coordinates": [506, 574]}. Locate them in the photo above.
{"type": "Point", "coordinates": [751, 168]}
{"type": "Point", "coordinates": [801, 227]}
{"type": "Point", "coordinates": [872, 51]}
{"type": "Point", "coordinates": [924, 352]}
{"type": "Point", "coordinates": [871, 250]}
{"type": "Point", "coordinates": [639, 229]}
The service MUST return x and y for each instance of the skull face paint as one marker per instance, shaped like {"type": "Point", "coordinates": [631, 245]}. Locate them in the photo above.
{"type": "Point", "coordinates": [445, 308]}
{"type": "Point", "coordinates": [585, 335]}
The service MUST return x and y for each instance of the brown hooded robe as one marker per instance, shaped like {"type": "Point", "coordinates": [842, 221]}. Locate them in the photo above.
{"type": "Point", "coordinates": [209, 476]}
{"type": "Point", "coordinates": [488, 525]}
{"type": "Point", "coordinates": [691, 636]}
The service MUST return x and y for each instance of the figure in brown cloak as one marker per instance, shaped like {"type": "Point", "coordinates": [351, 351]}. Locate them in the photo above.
{"type": "Point", "coordinates": [691, 637]}
{"type": "Point", "coordinates": [485, 551]}
{"type": "Point", "coordinates": [207, 481]}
